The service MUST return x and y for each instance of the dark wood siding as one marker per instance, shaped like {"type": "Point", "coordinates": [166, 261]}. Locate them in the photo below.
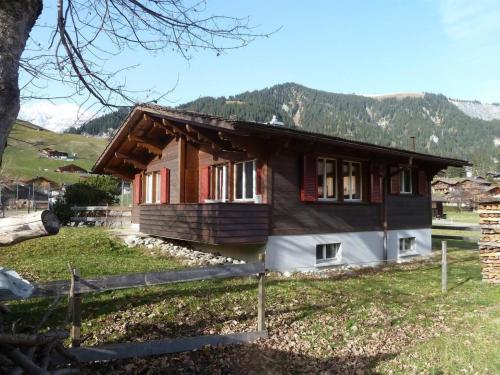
{"type": "Point", "coordinates": [291, 216]}
{"type": "Point", "coordinates": [412, 211]}
{"type": "Point", "coordinates": [135, 215]}
{"type": "Point", "coordinates": [214, 223]}
{"type": "Point", "coordinates": [170, 160]}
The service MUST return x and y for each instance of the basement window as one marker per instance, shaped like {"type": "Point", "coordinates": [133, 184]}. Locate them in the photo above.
{"type": "Point", "coordinates": [328, 253]}
{"type": "Point", "coordinates": [407, 246]}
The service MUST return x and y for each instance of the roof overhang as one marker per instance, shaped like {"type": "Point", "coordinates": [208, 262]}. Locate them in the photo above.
{"type": "Point", "coordinates": [232, 133]}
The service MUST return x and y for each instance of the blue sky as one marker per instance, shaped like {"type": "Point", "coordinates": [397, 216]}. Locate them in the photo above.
{"type": "Point", "coordinates": [364, 47]}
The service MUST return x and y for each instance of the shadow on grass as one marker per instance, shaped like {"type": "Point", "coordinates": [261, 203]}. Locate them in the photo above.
{"type": "Point", "coordinates": [386, 291]}
{"type": "Point", "coordinates": [243, 359]}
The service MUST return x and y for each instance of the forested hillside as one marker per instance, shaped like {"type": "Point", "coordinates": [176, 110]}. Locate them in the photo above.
{"type": "Point", "coordinates": [438, 125]}
{"type": "Point", "coordinates": [102, 126]}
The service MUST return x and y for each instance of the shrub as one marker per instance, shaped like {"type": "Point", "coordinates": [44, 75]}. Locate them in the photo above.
{"type": "Point", "coordinates": [63, 211]}
{"type": "Point", "coordinates": [94, 191]}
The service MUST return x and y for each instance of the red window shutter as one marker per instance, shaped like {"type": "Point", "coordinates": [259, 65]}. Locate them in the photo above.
{"type": "Point", "coordinates": [376, 185]}
{"type": "Point", "coordinates": [309, 188]}
{"type": "Point", "coordinates": [258, 177]}
{"type": "Point", "coordinates": [137, 188]}
{"type": "Point", "coordinates": [395, 181]}
{"type": "Point", "coordinates": [423, 183]}
{"type": "Point", "coordinates": [165, 185]}
{"type": "Point", "coordinates": [204, 184]}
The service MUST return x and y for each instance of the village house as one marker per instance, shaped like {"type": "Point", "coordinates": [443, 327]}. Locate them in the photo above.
{"type": "Point", "coordinates": [53, 154]}
{"type": "Point", "coordinates": [468, 191]}
{"type": "Point", "coordinates": [307, 200]}
{"type": "Point", "coordinates": [42, 183]}
{"type": "Point", "coordinates": [444, 185]}
{"type": "Point", "coordinates": [71, 168]}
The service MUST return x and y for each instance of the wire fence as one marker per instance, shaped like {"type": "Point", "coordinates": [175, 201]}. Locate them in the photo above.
{"type": "Point", "coordinates": [17, 197]}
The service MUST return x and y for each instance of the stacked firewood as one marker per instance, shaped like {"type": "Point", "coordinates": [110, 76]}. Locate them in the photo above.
{"type": "Point", "coordinates": [31, 349]}
{"type": "Point", "coordinates": [489, 245]}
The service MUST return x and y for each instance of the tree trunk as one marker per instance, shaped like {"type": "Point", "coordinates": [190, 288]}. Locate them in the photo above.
{"type": "Point", "coordinates": [23, 227]}
{"type": "Point", "coordinates": [17, 18]}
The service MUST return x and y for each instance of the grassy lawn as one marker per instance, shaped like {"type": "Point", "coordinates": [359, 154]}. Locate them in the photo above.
{"type": "Point", "coordinates": [464, 233]}
{"type": "Point", "coordinates": [462, 217]}
{"type": "Point", "coordinates": [22, 159]}
{"type": "Point", "coordinates": [389, 320]}
{"type": "Point", "coordinates": [89, 249]}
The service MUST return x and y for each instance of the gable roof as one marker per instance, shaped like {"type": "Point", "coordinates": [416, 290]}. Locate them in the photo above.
{"type": "Point", "coordinates": [40, 179]}
{"type": "Point", "coordinates": [70, 167]}
{"type": "Point", "coordinates": [239, 127]}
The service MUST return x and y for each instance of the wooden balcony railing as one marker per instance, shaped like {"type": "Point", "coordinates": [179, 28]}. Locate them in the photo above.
{"type": "Point", "coordinates": [213, 223]}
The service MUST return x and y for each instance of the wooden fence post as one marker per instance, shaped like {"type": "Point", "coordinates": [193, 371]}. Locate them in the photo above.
{"type": "Point", "coordinates": [76, 308]}
{"type": "Point", "coordinates": [444, 268]}
{"type": "Point", "coordinates": [261, 308]}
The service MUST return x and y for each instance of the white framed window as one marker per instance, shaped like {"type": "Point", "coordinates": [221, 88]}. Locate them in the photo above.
{"type": "Point", "coordinates": [405, 181]}
{"type": "Point", "coordinates": [330, 253]}
{"type": "Point", "coordinates": [149, 188]}
{"type": "Point", "coordinates": [152, 187]}
{"type": "Point", "coordinates": [157, 186]}
{"type": "Point", "coordinates": [219, 178]}
{"type": "Point", "coordinates": [244, 181]}
{"type": "Point", "coordinates": [352, 180]}
{"type": "Point", "coordinates": [327, 179]}
{"type": "Point", "coordinates": [407, 246]}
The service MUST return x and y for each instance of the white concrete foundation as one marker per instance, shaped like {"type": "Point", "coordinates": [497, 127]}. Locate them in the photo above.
{"type": "Point", "coordinates": [298, 253]}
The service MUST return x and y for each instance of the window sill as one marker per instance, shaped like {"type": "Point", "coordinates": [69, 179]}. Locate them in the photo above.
{"type": "Point", "coordinates": [337, 202]}
{"type": "Point", "coordinates": [214, 201]}
{"type": "Point", "coordinates": [409, 254]}
{"type": "Point", "coordinates": [329, 263]}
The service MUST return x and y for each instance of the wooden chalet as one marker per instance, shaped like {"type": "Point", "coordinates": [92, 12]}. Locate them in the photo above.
{"type": "Point", "coordinates": [444, 185]}
{"type": "Point", "coordinates": [42, 182]}
{"type": "Point", "coordinates": [308, 200]}
{"type": "Point", "coordinates": [71, 168]}
{"type": "Point", "coordinates": [50, 153]}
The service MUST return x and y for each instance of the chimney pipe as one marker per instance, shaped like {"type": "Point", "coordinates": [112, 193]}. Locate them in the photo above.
{"type": "Point", "coordinates": [413, 144]}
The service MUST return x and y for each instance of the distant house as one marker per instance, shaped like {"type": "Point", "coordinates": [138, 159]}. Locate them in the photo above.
{"type": "Point", "coordinates": [490, 192]}
{"type": "Point", "coordinates": [53, 154]}
{"type": "Point", "coordinates": [443, 185]}
{"type": "Point", "coordinates": [42, 182]}
{"type": "Point", "coordinates": [71, 168]}
{"type": "Point", "coordinates": [494, 175]}
{"type": "Point", "coordinates": [307, 200]}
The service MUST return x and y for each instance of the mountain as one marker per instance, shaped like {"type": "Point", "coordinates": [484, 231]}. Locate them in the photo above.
{"type": "Point", "coordinates": [102, 126]}
{"type": "Point", "coordinates": [476, 109]}
{"type": "Point", "coordinates": [22, 160]}
{"type": "Point", "coordinates": [439, 125]}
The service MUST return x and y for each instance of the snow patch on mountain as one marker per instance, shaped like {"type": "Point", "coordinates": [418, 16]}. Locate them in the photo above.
{"type": "Point", "coordinates": [52, 116]}
{"type": "Point", "coordinates": [475, 109]}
